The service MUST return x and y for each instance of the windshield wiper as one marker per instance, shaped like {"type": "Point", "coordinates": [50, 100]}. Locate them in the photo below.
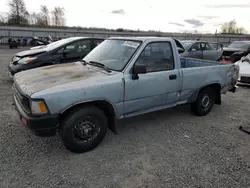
{"type": "Point", "coordinates": [97, 64]}
{"type": "Point", "coordinates": [83, 61]}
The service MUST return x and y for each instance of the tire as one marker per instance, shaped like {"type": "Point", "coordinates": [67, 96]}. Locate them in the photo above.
{"type": "Point", "coordinates": [204, 102]}
{"type": "Point", "coordinates": [79, 123]}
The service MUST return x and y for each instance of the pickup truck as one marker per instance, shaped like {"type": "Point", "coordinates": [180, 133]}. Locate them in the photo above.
{"type": "Point", "coordinates": [120, 78]}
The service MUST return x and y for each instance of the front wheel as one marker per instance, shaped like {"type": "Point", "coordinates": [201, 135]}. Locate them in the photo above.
{"type": "Point", "coordinates": [83, 129]}
{"type": "Point", "coordinates": [204, 102]}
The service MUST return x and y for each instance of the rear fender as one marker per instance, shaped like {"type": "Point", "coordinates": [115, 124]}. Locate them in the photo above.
{"type": "Point", "coordinates": [215, 86]}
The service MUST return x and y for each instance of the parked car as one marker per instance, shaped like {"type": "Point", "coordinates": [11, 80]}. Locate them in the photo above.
{"type": "Point", "coordinates": [235, 51]}
{"type": "Point", "coordinates": [63, 51]}
{"type": "Point", "coordinates": [35, 41]}
{"type": "Point", "coordinates": [244, 73]}
{"type": "Point", "coordinates": [200, 50]}
{"type": "Point", "coordinates": [217, 45]}
{"type": "Point", "coordinates": [120, 78]}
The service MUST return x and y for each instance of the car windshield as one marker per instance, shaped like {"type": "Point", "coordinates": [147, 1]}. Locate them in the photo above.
{"type": "Point", "coordinates": [240, 44]}
{"type": "Point", "coordinates": [186, 44]}
{"type": "Point", "coordinates": [113, 53]}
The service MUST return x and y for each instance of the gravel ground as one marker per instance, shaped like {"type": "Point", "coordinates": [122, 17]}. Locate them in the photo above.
{"type": "Point", "coordinates": [170, 148]}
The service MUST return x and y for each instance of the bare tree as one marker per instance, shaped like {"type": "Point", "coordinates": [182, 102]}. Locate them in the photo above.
{"type": "Point", "coordinates": [33, 18]}
{"type": "Point", "coordinates": [18, 13]}
{"type": "Point", "coordinates": [45, 15]}
{"type": "Point", "coordinates": [2, 19]}
{"type": "Point", "coordinates": [58, 16]}
{"type": "Point", "coordinates": [232, 28]}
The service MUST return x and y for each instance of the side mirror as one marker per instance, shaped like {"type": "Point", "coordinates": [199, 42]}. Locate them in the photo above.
{"type": "Point", "coordinates": [243, 58]}
{"type": "Point", "coordinates": [193, 50]}
{"type": "Point", "coordinates": [138, 69]}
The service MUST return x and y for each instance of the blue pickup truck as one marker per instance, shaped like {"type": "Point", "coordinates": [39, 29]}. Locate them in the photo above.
{"type": "Point", "coordinates": [120, 78]}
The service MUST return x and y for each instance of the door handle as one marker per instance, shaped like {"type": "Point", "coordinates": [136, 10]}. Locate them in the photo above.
{"type": "Point", "coordinates": [172, 77]}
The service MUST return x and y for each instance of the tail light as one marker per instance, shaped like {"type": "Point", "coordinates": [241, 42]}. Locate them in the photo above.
{"type": "Point", "coordinates": [222, 60]}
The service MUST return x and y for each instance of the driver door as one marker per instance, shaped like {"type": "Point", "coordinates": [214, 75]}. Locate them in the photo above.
{"type": "Point", "coordinates": [210, 53]}
{"type": "Point", "coordinates": [159, 86]}
{"type": "Point", "coordinates": [195, 51]}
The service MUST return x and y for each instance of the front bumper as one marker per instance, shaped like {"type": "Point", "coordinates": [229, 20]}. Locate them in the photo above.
{"type": "Point", "coordinates": [13, 69]}
{"type": "Point", "coordinates": [41, 126]}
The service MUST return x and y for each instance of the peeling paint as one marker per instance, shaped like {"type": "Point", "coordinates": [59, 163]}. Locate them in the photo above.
{"type": "Point", "coordinates": [34, 80]}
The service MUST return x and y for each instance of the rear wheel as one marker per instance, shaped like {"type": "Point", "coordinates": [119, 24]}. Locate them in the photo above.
{"type": "Point", "coordinates": [83, 129]}
{"type": "Point", "coordinates": [204, 102]}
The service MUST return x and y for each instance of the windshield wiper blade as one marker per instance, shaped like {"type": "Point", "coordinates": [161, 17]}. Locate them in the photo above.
{"type": "Point", "coordinates": [83, 61]}
{"type": "Point", "coordinates": [95, 63]}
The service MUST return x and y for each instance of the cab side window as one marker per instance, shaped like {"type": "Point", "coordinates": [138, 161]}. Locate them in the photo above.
{"type": "Point", "coordinates": [196, 47]}
{"type": "Point", "coordinates": [157, 56]}
{"type": "Point", "coordinates": [76, 47]}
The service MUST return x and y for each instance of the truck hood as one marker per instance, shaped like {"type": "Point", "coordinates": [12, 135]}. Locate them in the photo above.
{"type": "Point", "coordinates": [234, 49]}
{"type": "Point", "coordinates": [34, 80]}
{"type": "Point", "coordinates": [31, 52]}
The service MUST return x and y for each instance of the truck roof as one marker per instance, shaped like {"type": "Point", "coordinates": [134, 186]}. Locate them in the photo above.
{"type": "Point", "coordinates": [193, 41]}
{"type": "Point", "coordinates": [140, 38]}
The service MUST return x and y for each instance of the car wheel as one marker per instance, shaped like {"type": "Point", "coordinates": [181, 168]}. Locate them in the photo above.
{"type": "Point", "coordinates": [204, 102]}
{"type": "Point", "coordinates": [83, 129]}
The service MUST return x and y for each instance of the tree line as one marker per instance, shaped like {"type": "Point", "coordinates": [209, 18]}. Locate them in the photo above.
{"type": "Point", "coordinates": [19, 16]}
{"type": "Point", "coordinates": [232, 28]}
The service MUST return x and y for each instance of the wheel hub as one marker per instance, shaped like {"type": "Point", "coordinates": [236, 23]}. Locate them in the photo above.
{"type": "Point", "coordinates": [205, 101]}
{"type": "Point", "coordinates": [86, 130]}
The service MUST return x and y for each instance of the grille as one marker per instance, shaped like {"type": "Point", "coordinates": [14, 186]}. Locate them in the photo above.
{"type": "Point", "coordinates": [22, 99]}
{"type": "Point", "coordinates": [245, 79]}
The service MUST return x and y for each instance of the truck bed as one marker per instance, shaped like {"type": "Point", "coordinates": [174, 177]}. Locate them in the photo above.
{"type": "Point", "coordinates": [191, 62]}
{"type": "Point", "coordinates": [197, 73]}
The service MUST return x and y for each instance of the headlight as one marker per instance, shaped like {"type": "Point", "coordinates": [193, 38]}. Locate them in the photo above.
{"type": "Point", "coordinates": [26, 60]}
{"type": "Point", "coordinates": [38, 107]}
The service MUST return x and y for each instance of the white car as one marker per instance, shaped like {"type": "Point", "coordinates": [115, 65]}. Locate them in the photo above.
{"type": "Point", "coordinates": [244, 74]}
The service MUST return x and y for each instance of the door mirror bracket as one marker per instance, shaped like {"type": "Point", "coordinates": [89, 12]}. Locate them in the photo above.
{"type": "Point", "coordinates": [138, 69]}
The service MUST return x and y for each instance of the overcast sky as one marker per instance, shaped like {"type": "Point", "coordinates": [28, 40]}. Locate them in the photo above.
{"type": "Point", "coordinates": [168, 16]}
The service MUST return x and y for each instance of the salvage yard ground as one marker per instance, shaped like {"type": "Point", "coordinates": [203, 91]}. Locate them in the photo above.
{"type": "Point", "coordinates": [170, 148]}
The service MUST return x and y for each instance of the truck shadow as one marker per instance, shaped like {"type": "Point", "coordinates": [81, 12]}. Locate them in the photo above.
{"type": "Point", "coordinates": [171, 115]}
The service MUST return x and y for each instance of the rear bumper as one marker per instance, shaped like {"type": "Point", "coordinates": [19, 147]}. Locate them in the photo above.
{"type": "Point", "coordinates": [44, 126]}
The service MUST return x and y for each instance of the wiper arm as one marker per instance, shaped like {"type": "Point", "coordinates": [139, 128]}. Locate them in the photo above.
{"type": "Point", "coordinates": [95, 63]}
{"type": "Point", "coordinates": [83, 61]}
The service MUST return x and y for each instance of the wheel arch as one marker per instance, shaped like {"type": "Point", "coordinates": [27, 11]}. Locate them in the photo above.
{"type": "Point", "coordinates": [106, 107]}
{"type": "Point", "coordinates": [214, 86]}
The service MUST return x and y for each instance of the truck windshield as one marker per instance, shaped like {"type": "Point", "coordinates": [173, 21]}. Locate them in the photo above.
{"type": "Point", "coordinates": [113, 53]}
{"type": "Point", "coordinates": [240, 44]}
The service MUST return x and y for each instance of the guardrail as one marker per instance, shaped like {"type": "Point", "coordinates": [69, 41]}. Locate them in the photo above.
{"type": "Point", "coordinates": [19, 32]}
